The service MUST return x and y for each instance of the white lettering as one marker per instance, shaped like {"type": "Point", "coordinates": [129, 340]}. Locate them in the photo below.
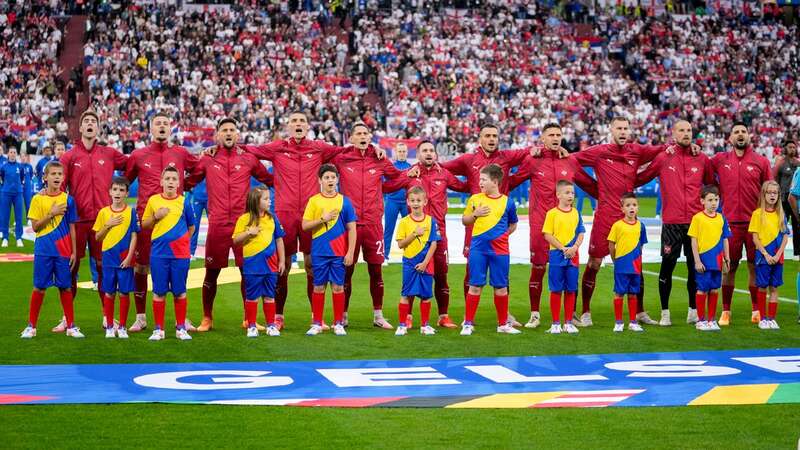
{"type": "Point", "coordinates": [671, 368]}
{"type": "Point", "coordinates": [396, 376]}
{"type": "Point", "coordinates": [501, 374]}
{"type": "Point", "coordinates": [224, 379]}
{"type": "Point", "coordinates": [780, 364]}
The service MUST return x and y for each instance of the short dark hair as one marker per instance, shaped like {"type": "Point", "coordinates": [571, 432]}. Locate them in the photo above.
{"type": "Point", "coordinates": [494, 172]}
{"type": "Point", "coordinates": [161, 113]}
{"type": "Point", "coordinates": [486, 125]}
{"type": "Point", "coordinates": [327, 168]}
{"type": "Point", "coordinates": [709, 189]}
{"type": "Point", "coordinates": [562, 183]}
{"type": "Point", "coordinates": [52, 165]}
{"type": "Point", "coordinates": [738, 123]}
{"type": "Point", "coordinates": [627, 196]}
{"type": "Point", "coordinates": [619, 119]}
{"type": "Point", "coordinates": [416, 190]}
{"type": "Point", "coordinates": [89, 113]}
{"type": "Point", "coordinates": [298, 111]}
{"type": "Point", "coordinates": [360, 124]}
{"type": "Point", "coordinates": [789, 141]}
{"type": "Point", "coordinates": [425, 141]}
{"type": "Point", "coordinates": [225, 120]}
{"type": "Point", "coordinates": [121, 181]}
{"type": "Point", "coordinates": [550, 125]}
{"type": "Point", "coordinates": [168, 169]}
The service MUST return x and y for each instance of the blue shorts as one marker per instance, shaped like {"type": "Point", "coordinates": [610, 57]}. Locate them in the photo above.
{"type": "Point", "coordinates": [708, 281]}
{"type": "Point", "coordinates": [627, 283]}
{"type": "Point", "coordinates": [416, 284]}
{"type": "Point", "coordinates": [562, 278]}
{"type": "Point", "coordinates": [497, 265]}
{"type": "Point", "coordinates": [51, 271]}
{"type": "Point", "coordinates": [116, 279]}
{"type": "Point", "coordinates": [261, 285]}
{"type": "Point", "coordinates": [169, 275]}
{"type": "Point", "coordinates": [327, 269]}
{"type": "Point", "coordinates": [769, 275]}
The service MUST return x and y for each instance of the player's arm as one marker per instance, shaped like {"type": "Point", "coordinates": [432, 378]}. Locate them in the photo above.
{"type": "Point", "coordinates": [612, 250]}
{"type": "Point", "coordinates": [281, 255]}
{"type": "Point", "coordinates": [266, 151]}
{"type": "Point", "coordinates": [698, 264]}
{"type": "Point", "coordinates": [241, 236]}
{"type": "Point", "coordinates": [523, 174]}
{"type": "Point", "coordinates": [512, 227]}
{"type": "Point", "coordinates": [120, 160]}
{"type": "Point", "coordinates": [404, 241]}
{"type": "Point", "coordinates": [329, 151]}
{"type": "Point", "coordinates": [74, 244]}
{"type": "Point", "coordinates": [726, 258]}
{"type": "Point", "coordinates": [261, 174]}
{"type": "Point", "coordinates": [550, 239]}
{"type": "Point", "coordinates": [650, 172]}
{"type": "Point", "coordinates": [455, 184]}
{"type": "Point", "coordinates": [648, 153]}
{"type": "Point", "coordinates": [589, 156]}
{"type": "Point", "coordinates": [784, 241]}
{"type": "Point", "coordinates": [196, 175]}
{"type": "Point", "coordinates": [516, 157]}
{"type": "Point", "coordinates": [457, 166]}
{"type": "Point", "coordinates": [396, 184]}
{"type": "Point", "coordinates": [351, 243]}
{"type": "Point", "coordinates": [151, 216]}
{"type": "Point", "coordinates": [428, 256]}
{"type": "Point", "coordinates": [311, 224]}
{"type": "Point", "coordinates": [38, 221]}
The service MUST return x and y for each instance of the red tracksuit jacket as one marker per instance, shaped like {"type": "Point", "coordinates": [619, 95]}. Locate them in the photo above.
{"type": "Point", "coordinates": [295, 165]}
{"type": "Point", "coordinates": [681, 177]}
{"type": "Point", "coordinates": [740, 181]}
{"type": "Point", "coordinates": [545, 172]}
{"type": "Point", "coordinates": [615, 168]}
{"type": "Point", "coordinates": [227, 175]}
{"type": "Point", "coordinates": [360, 181]}
{"type": "Point", "coordinates": [435, 180]}
{"type": "Point", "coordinates": [147, 163]}
{"type": "Point", "coordinates": [470, 165]}
{"type": "Point", "coordinates": [88, 174]}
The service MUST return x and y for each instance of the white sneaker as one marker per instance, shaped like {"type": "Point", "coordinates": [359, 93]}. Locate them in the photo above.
{"type": "Point", "coordinates": [570, 328]}
{"type": "Point", "coordinates": [252, 332]}
{"type": "Point", "coordinates": [401, 330]}
{"type": "Point", "coordinates": [5, 243]}
{"type": "Point", "coordinates": [61, 327]}
{"type": "Point", "coordinates": [122, 333]}
{"type": "Point", "coordinates": [633, 326]}
{"type": "Point", "coordinates": [691, 316]}
{"type": "Point", "coordinates": [466, 330]}
{"type": "Point", "coordinates": [139, 324]}
{"type": "Point", "coordinates": [314, 330]}
{"type": "Point", "coordinates": [189, 325]}
{"type": "Point", "coordinates": [427, 330]}
{"type": "Point", "coordinates": [110, 333]}
{"type": "Point", "coordinates": [513, 321]}
{"type": "Point", "coordinates": [586, 320]}
{"type": "Point", "coordinates": [381, 322]}
{"type": "Point", "coordinates": [665, 319]}
{"type": "Point", "coordinates": [534, 321]}
{"type": "Point", "coordinates": [773, 325]}
{"type": "Point", "coordinates": [182, 334]}
{"type": "Point", "coordinates": [339, 330]}
{"type": "Point", "coordinates": [763, 324]}
{"type": "Point", "coordinates": [619, 327]}
{"type": "Point", "coordinates": [645, 318]}
{"type": "Point", "coordinates": [19, 243]}
{"type": "Point", "coordinates": [713, 326]}
{"type": "Point", "coordinates": [28, 333]}
{"type": "Point", "coordinates": [272, 330]}
{"type": "Point", "coordinates": [508, 329]}
{"type": "Point", "coordinates": [701, 325]}
{"type": "Point", "coordinates": [554, 329]}
{"type": "Point", "coordinates": [158, 335]}
{"type": "Point", "coordinates": [105, 324]}
{"type": "Point", "coordinates": [75, 332]}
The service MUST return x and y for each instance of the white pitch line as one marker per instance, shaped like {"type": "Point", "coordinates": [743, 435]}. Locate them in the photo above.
{"type": "Point", "coordinates": [741, 291]}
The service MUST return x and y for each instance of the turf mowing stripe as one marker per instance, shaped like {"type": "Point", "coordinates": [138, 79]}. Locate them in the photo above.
{"type": "Point", "coordinates": [740, 291]}
{"type": "Point", "coordinates": [743, 394]}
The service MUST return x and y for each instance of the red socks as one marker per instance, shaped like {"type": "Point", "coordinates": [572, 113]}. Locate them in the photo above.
{"type": "Point", "coordinates": [124, 306]}
{"type": "Point", "coordinates": [108, 310]}
{"type": "Point", "coordinates": [712, 305]}
{"type": "Point", "coordinates": [555, 307]}
{"type": "Point", "coordinates": [66, 303]}
{"type": "Point", "coordinates": [632, 307]}
{"type": "Point", "coordinates": [36, 305]}
{"type": "Point", "coordinates": [140, 294]}
{"type": "Point", "coordinates": [569, 305]}
{"type": "Point", "coordinates": [158, 313]}
{"type": "Point", "coordinates": [338, 307]}
{"type": "Point", "coordinates": [754, 298]}
{"type": "Point", "coordinates": [269, 313]}
{"type": "Point", "coordinates": [425, 312]}
{"type": "Point", "coordinates": [501, 305]}
{"type": "Point", "coordinates": [727, 297]}
{"type": "Point", "coordinates": [587, 287]}
{"type": "Point", "coordinates": [402, 313]}
{"type": "Point", "coordinates": [317, 307]}
{"type": "Point", "coordinates": [772, 311]}
{"type": "Point", "coordinates": [471, 308]}
{"type": "Point", "coordinates": [535, 287]}
{"type": "Point", "coordinates": [617, 309]}
{"type": "Point", "coordinates": [761, 303]}
{"type": "Point", "coordinates": [180, 312]}
{"type": "Point", "coordinates": [251, 312]}
{"type": "Point", "coordinates": [700, 299]}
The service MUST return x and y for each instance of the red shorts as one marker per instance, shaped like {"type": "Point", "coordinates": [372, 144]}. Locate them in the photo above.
{"type": "Point", "coordinates": [598, 241]}
{"type": "Point", "coordinates": [292, 224]}
{"type": "Point", "coordinates": [540, 249]}
{"type": "Point", "coordinates": [369, 238]}
{"type": "Point", "coordinates": [440, 259]}
{"type": "Point", "coordinates": [740, 237]}
{"type": "Point", "coordinates": [143, 245]}
{"type": "Point", "coordinates": [84, 234]}
{"type": "Point", "coordinates": [219, 243]}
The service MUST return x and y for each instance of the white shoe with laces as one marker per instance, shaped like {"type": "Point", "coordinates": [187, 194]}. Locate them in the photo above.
{"type": "Point", "coordinates": [110, 333]}
{"type": "Point", "coordinates": [586, 320]}
{"type": "Point", "coordinates": [272, 331]}
{"type": "Point", "coordinates": [252, 332]}
{"type": "Point", "coordinates": [713, 326]}
{"type": "Point", "coordinates": [401, 331]}
{"type": "Point", "coordinates": [633, 326]}
{"type": "Point", "coordinates": [763, 324]}
{"type": "Point", "coordinates": [339, 330]}
{"type": "Point", "coordinates": [701, 325]}
{"type": "Point", "coordinates": [570, 328]}
{"type": "Point", "coordinates": [665, 319]}
{"type": "Point", "coordinates": [381, 322]}
{"type": "Point", "coordinates": [427, 330]}
{"type": "Point", "coordinates": [314, 330]}
{"type": "Point", "coordinates": [158, 335]}
{"type": "Point", "coordinates": [61, 327]}
{"type": "Point", "coordinates": [554, 329]}
{"type": "Point", "coordinates": [189, 325]}
{"type": "Point", "coordinates": [122, 333]}
{"type": "Point", "coordinates": [645, 318]}
{"type": "Point", "coordinates": [534, 321]}
{"type": "Point", "coordinates": [467, 329]}
{"type": "Point", "coordinates": [513, 321]}
{"type": "Point", "coordinates": [773, 325]}
{"type": "Point", "coordinates": [691, 316]}
{"type": "Point", "coordinates": [28, 333]}
{"type": "Point", "coordinates": [139, 324]}
{"type": "Point", "coordinates": [619, 327]}
{"type": "Point", "coordinates": [74, 332]}
{"type": "Point", "coordinates": [182, 334]}
{"type": "Point", "coordinates": [507, 329]}
{"type": "Point", "coordinates": [20, 244]}
{"type": "Point", "coordinates": [5, 243]}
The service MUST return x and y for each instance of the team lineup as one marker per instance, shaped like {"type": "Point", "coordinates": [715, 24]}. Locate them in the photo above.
{"type": "Point", "coordinates": [328, 204]}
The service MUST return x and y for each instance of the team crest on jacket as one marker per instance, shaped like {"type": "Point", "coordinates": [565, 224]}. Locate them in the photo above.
{"type": "Point", "coordinates": [694, 169]}
{"type": "Point", "coordinates": [372, 171]}
{"type": "Point", "coordinates": [237, 166]}
{"type": "Point", "coordinates": [101, 162]}
{"type": "Point", "coordinates": [751, 168]}
{"type": "Point", "coordinates": [667, 249]}
{"type": "Point", "coordinates": [631, 162]}
{"type": "Point", "coordinates": [239, 151]}
{"type": "Point", "coordinates": [309, 155]}
{"type": "Point", "coordinates": [564, 172]}
{"type": "Point", "coordinates": [172, 164]}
